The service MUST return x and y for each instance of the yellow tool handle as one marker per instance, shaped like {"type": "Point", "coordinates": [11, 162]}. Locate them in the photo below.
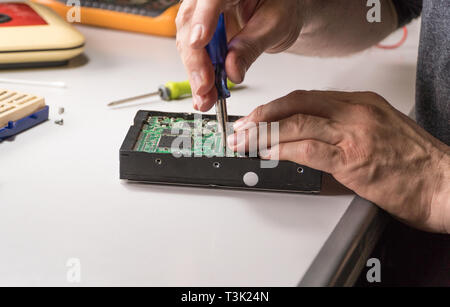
{"type": "Point", "coordinates": [175, 90]}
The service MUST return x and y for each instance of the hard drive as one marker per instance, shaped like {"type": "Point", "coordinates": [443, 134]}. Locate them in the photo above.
{"type": "Point", "coordinates": [181, 149]}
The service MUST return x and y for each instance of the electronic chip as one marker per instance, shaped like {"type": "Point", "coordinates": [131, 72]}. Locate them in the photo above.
{"type": "Point", "coordinates": [182, 141]}
{"type": "Point", "coordinates": [172, 131]}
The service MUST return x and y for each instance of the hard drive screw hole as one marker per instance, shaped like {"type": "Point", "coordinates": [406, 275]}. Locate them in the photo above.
{"type": "Point", "coordinates": [158, 161]}
{"type": "Point", "coordinates": [216, 164]}
{"type": "Point", "coordinates": [300, 170]}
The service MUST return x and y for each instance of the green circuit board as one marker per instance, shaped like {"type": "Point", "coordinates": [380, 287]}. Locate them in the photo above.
{"type": "Point", "coordinates": [172, 135]}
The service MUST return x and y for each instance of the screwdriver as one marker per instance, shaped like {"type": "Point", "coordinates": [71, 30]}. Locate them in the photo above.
{"type": "Point", "coordinates": [169, 91]}
{"type": "Point", "coordinates": [217, 50]}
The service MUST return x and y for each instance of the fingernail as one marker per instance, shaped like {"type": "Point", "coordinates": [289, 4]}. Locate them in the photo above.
{"type": "Point", "coordinates": [195, 102]}
{"type": "Point", "coordinates": [196, 34]}
{"type": "Point", "coordinates": [231, 140]}
{"type": "Point", "coordinates": [198, 101]}
{"type": "Point", "coordinates": [196, 81]}
{"type": "Point", "coordinates": [239, 123]}
{"type": "Point", "coordinates": [244, 126]}
{"type": "Point", "coordinates": [264, 154]}
{"type": "Point", "coordinates": [240, 141]}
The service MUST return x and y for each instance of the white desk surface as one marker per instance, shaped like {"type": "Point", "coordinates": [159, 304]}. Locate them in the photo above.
{"type": "Point", "coordinates": [61, 197]}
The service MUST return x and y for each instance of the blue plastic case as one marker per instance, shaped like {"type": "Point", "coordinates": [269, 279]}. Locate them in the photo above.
{"type": "Point", "coordinates": [20, 125]}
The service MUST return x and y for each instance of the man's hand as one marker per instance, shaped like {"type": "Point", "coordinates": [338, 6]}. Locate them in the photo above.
{"type": "Point", "coordinates": [253, 27]}
{"type": "Point", "coordinates": [366, 145]}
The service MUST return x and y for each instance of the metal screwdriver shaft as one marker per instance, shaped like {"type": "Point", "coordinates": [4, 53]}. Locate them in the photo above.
{"type": "Point", "coordinates": [222, 119]}
{"type": "Point", "coordinates": [121, 101]}
{"type": "Point", "coordinates": [217, 50]}
{"type": "Point", "coordinates": [169, 91]}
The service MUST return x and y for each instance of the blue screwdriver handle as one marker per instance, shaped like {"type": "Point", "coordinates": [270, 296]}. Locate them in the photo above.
{"type": "Point", "coordinates": [217, 50]}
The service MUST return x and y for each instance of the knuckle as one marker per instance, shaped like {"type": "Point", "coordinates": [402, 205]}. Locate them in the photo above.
{"type": "Point", "coordinates": [180, 20]}
{"type": "Point", "coordinates": [341, 157]}
{"type": "Point", "coordinates": [178, 44]}
{"type": "Point", "coordinates": [371, 94]}
{"type": "Point", "coordinates": [374, 98]}
{"type": "Point", "coordinates": [287, 41]}
{"type": "Point", "coordinates": [369, 111]}
{"type": "Point", "coordinates": [298, 122]}
{"type": "Point", "coordinates": [302, 95]}
{"type": "Point", "coordinates": [189, 60]}
{"type": "Point", "coordinates": [259, 113]}
{"type": "Point", "coordinates": [184, 14]}
{"type": "Point", "coordinates": [359, 109]}
{"type": "Point", "coordinates": [363, 131]}
{"type": "Point", "coordinates": [297, 94]}
{"type": "Point", "coordinates": [334, 130]}
{"type": "Point", "coordinates": [357, 150]}
{"type": "Point", "coordinates": [288, 31]}
{"type": "Point", "coordinates": [252, 51]}
{"type": "Point", "coordinates": [305, 149]}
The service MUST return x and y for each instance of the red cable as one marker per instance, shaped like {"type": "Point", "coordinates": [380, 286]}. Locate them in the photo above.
{"type": "Point", "coordinates": [403, 39]}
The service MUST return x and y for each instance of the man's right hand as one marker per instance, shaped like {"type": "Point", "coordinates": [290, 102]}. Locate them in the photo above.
{"type": "Point", "coordinates": [253, 27]}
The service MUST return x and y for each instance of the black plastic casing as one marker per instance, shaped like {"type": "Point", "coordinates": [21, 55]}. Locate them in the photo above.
{"type": "Point", "coordinates": [212, 172]}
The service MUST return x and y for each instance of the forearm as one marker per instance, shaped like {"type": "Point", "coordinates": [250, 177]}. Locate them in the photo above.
{"type": "Point", "coordinates": [440, 206]}
{"type": "Point", "coordinates": [340, 27]}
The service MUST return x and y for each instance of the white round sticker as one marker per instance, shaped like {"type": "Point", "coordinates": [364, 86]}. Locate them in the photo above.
{"type": "Point", "coordinates": [251, 179]}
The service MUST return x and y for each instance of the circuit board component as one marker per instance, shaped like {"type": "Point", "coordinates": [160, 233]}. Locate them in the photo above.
{"type": "Point", "coordinates": [172, 135]}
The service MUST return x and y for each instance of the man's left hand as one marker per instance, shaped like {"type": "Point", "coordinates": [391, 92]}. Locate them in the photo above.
{"type": "Point", "coordinates": [367, 145]}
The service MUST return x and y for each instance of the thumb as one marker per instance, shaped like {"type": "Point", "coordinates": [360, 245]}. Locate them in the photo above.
{"type": "Point", "coordinates": [266, 30]}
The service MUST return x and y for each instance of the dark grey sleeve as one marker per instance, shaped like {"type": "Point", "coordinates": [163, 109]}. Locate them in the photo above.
{"type": "Point", "coordinates": [407, 10]}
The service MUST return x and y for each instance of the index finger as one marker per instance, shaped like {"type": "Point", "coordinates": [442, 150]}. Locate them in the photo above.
{"type": "Point", "coordinates": [196, 61]}
{"type": "Point", "coordinates": [204, 22]}
{"type": "Point", "coordinates": [314, 103]}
